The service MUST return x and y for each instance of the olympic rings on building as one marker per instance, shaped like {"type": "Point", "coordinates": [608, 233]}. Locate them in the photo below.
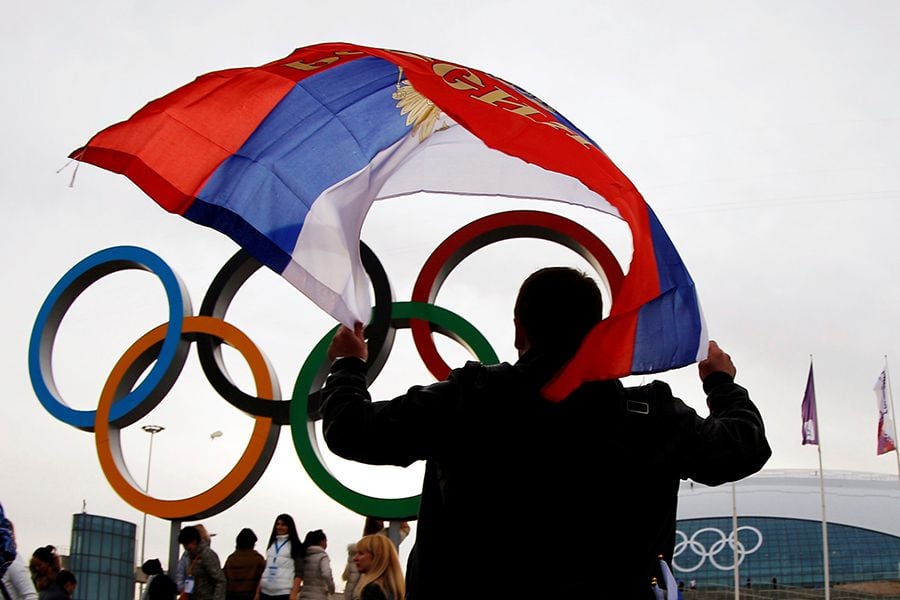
{"type": "Point", "coordinates": [697, 547]}
{"type": "Point", "coordinates": [168, 344]}
{"type": "Point", "coordinates": [242, 477]}
{"type": "Point", "coordinates": [172, 355]}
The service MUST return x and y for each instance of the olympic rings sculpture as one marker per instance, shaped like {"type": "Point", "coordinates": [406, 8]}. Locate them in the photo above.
{"type": "Point", "coordinates": [731, 540]}
{"type": "Point", "coordinates": [121, 403]}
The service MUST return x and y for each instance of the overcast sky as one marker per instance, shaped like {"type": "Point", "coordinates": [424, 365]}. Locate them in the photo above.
{"type": "Point", "coordinates": [766, 136]}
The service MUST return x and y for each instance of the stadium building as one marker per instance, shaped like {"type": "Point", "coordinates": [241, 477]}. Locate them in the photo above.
{"type": "Point", "coordinates": [780, 530]}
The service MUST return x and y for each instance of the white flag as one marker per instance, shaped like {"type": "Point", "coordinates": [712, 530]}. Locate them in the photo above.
{"type": "Point", "coordinates": [887, 435]}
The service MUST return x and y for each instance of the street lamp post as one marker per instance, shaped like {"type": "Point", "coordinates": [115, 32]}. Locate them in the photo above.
{"type": "Point", "coordinates": [152, 430]}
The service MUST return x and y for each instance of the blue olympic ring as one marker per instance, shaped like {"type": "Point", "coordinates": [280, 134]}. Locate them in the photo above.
{"type": "Point", "coordinates": [172, 355]}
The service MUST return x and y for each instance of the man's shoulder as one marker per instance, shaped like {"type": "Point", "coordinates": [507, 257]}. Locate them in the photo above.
{"type": "Point", "coordinates": [244, 557]}
{"type": "Point", "coordinates": [655, 390]}
{"type": "Point", "coordinates": [474, 367]}
{"type": "Point", "coordinates": [209, 555]}
{"type": "Point", "coordinates": [475, 377]}
{"type": "Point", "coordinates": [655, 399]}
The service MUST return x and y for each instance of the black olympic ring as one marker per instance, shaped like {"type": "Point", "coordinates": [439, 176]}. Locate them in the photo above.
{"type": "Point", "coordinates": [221, 292]}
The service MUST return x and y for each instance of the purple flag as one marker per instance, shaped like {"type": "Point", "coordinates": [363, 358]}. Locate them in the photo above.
{"type": "Point", "coordinates": [808, 410]}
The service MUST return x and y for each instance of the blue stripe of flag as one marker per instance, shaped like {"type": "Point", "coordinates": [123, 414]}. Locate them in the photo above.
{"type": "Point", "coordinates": [329, 126]}
{"type": "Point", "coordinates": [669, 327]}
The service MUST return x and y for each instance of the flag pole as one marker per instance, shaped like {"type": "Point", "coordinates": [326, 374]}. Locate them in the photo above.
{"type": "Point", "coordinates": [811, 435]}
{"type": "Point", "coordinates": [824, 523]}
{"type": "Point", "coordinates": [887, 384]}
{"type": "Point", "coordinates": [734, 547]}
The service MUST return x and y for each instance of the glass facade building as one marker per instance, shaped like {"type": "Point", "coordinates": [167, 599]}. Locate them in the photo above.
{"type": "Point", "coordinates": [780, 530]}
{"type": "Point", "coordinates": [785, 548]}
{"type": "Point", "coordinates": [102, 557]}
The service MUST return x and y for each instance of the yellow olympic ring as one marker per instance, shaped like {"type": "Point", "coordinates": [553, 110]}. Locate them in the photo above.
{"type": "Point", "coordinates": [242, 477]}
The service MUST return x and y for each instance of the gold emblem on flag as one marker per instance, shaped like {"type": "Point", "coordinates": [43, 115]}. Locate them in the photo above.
{"type": "Point", "coordinates": [421, 113]}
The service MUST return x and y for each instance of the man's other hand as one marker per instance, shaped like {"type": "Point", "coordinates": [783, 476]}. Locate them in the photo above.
{"type": "Point", "coordinates": [717, 361]}
{"type": "Point", "coordinates": [348, 343]}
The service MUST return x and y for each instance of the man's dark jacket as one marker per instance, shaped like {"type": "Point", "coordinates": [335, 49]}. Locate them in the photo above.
{"type": "Point", "coordinates": [527, 498]}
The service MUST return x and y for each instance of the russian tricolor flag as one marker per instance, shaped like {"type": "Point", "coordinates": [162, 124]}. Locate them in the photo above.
{"type": "Point", "coordinates": [287, 158]}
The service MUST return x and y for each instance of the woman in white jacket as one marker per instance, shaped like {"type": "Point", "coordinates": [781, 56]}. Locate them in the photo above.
{"type": "Point", "coordinates": [17, 581]}
{"type": "Point", "coordinates": [318, 581]}
{"type": "Point", "coordinates": [284, 562]}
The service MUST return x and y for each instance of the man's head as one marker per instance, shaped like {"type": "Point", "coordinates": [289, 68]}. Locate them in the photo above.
{"type": "Point", "coordinates": [315, 538]}
{"type": "Point", "coordinates": [189, 537]}
{"type": "Point", "coordinates": [245, 540]}
{"type": "Point", "coordinates": [45, 561]}
{"type": "Point", "coordinates": [66, 580]}
{"type": "Point", "coordinates": [555, 309]}
{"type": "Point", "coordinates": [372, 526]}
{"type": "Point", "coordinates": [152, 567]}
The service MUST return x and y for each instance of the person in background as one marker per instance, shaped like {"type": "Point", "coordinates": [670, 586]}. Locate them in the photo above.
{"type": "Point", "coordinates": [159, 585]}
{"type": "Point", "coordinates": [44, 567]}
{"type": "Point", "coordinates": [284, 562]}
{"type": "Point", "coordinates": [151, 568]}
{"type": "Point", "coordinates": [350, 574]}
{"type": "Point", "coordinates": [204, 578]}
{"type": "Point", "coordinates": [15, 582]}
{"type": "Point", "coordinates": [67, 583]}
{"type": "Point", "coordinates": [318, 581]}
{"type": "Point", "coordinates": [62, 587]}
{"type": "Point", "coordinates": [374, 525]}
{"type": "Point", "coordinates": [181, 567]}
{"type": "Point", "coordinates": [381, 576]}
{"type": "Point", "coordinates": [243, 567]}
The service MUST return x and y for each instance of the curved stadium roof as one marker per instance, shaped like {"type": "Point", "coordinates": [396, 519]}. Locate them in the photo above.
{"type": "Point", "coordinates": [867, 500]}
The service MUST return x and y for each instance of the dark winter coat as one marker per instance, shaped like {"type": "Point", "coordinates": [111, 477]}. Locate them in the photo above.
{"type": "Point", "coordinates": [595, 475]}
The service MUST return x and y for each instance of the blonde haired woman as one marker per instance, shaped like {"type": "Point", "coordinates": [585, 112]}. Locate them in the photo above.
{"type": "Point", "coordinates": [382, 579]}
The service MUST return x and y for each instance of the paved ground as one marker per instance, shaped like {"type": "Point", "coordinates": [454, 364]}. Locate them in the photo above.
{"type": "Point", "coordinates": [879, 588]}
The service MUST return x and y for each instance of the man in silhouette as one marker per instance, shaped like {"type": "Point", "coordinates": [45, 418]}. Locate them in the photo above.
{"type": "Point", "coordinates": [596, 475]}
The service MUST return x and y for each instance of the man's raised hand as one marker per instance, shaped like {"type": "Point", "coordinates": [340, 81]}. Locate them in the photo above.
{"type": "Point", "coordinates": [716, 361]}
{"type": "Point", "coordinates": [348, 343]}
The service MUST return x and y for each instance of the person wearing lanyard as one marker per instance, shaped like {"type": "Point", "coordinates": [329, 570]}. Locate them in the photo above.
{"type": "Point", "coordinates": [204, 578]}
{"type": "Point", "coordinates": [284, 562]}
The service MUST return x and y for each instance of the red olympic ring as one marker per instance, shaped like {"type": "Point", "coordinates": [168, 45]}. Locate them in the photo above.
{"type": "Point", "coordinates": [242, 477]}
{"type": "Point", "coordinates": [495, 228]}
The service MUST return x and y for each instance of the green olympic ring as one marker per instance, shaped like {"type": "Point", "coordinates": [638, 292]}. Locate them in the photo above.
{"type": "Point", "coordinates": [312, 376]}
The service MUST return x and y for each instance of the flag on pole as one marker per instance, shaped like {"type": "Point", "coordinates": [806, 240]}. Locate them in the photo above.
{"type": "Point", "coordinates": [808, 410]}
{"type": "Point", "coordinates": [887, 435]}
